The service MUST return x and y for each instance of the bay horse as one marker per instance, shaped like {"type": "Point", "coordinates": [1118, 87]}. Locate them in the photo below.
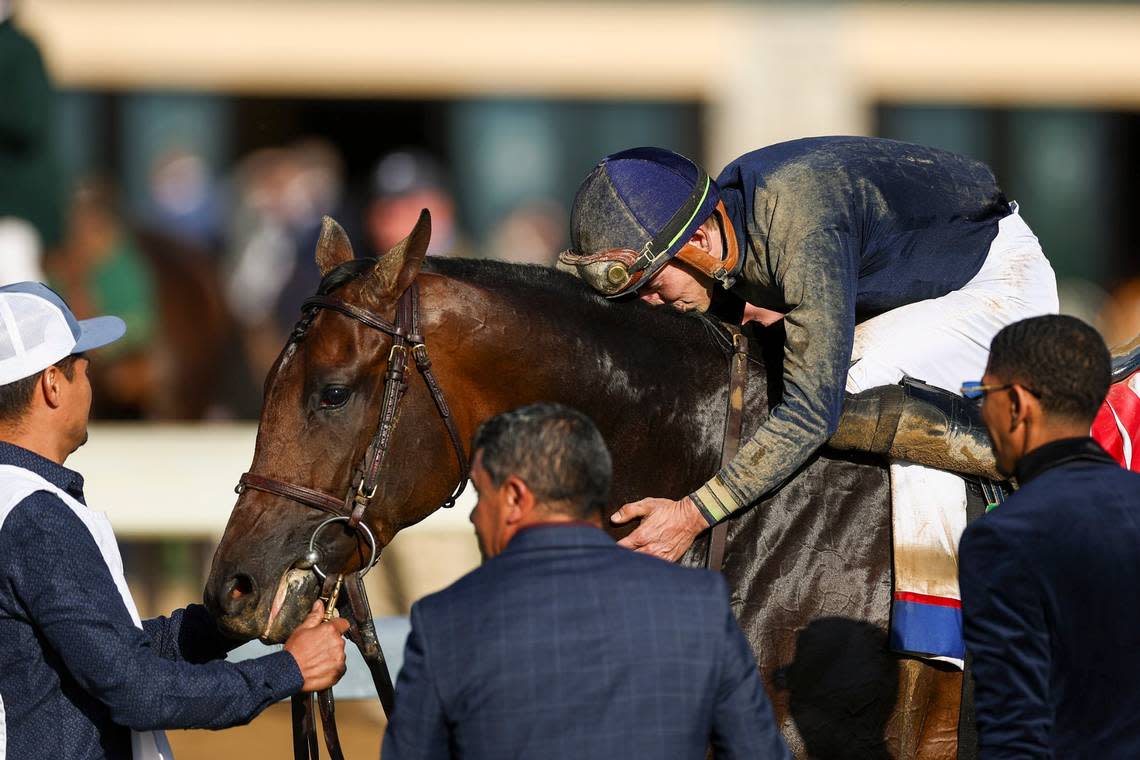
{"type": "Point", "coordinates": [809, 566]}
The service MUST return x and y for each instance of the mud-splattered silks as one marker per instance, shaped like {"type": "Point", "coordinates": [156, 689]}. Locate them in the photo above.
{"type": "Point", "coordinates": [887, 259]}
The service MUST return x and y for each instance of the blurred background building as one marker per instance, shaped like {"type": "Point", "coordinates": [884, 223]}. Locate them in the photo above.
{"type": "Point", "coordinates": [199, 142]}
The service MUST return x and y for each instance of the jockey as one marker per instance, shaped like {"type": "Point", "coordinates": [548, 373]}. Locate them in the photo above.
{"type": "Point", "coordinates": [883, 260]}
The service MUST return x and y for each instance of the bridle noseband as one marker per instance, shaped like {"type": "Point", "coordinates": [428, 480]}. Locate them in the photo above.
{"type": "Point", "coordinates": [406, 338]}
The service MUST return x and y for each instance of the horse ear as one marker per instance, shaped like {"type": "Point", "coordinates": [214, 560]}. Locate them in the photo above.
{"type": "Point", "coordinates": [333, 248]}
{"type": "Point", "coordinates": [399, 266]}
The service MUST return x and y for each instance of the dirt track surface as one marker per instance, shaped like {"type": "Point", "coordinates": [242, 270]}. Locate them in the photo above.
{"type": "Point", "coordinates": [359, 723]}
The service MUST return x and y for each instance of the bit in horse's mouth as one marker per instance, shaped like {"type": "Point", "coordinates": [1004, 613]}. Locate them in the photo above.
{"type": "Point", "coordinates": [290, 582]}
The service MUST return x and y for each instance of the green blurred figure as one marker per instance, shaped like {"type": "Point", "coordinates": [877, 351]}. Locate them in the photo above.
{"type": "Point", "coordinates": [101, 269]}
{"type": "Point", "coordinates": [30, 203]}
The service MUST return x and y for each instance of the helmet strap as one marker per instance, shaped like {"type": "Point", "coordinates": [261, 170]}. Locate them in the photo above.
{"type": "Point", "coordinates": [719, 269]}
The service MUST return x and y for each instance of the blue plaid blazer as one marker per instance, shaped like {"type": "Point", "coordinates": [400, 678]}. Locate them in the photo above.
{"type": "Point", "coordinates": [569, 646]}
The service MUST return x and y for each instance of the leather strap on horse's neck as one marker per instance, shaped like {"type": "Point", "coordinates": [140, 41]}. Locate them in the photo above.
{"type": "Point", "coordinates": [733, 424]}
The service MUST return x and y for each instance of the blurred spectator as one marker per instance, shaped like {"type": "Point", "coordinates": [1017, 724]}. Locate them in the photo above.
{"type": "Point", "coordinates": [532, 233]}
{"type": "Point", "coordinates": [281, 195]}
{"type": "Point", "coordinates": [99, 269]}
{"type": "Point", "coordinates": [1120, 319]}
{"type": "Point", "coordinates": [1081, 298]}
{"type": "Point", "coordinates": [169, 363]}
{"type": "Point", "coordinates": [185, 202]}
{"type": "Point", "coordinates": [30, 203]}
{"type": "Point", "coordinates": [403, 183]}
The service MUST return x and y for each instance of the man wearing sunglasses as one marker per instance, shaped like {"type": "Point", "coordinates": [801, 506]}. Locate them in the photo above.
{"type": "Point", "coordinates": [1049, 578]}
{"type": "Point", "coordinates": [882, 259]}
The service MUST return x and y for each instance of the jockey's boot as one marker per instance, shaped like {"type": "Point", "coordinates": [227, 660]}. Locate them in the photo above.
{"type": "Point", "coordinates": [917, 423]}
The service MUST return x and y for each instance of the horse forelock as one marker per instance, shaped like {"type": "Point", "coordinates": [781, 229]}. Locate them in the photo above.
{"type": "Point", "coordinates": [345, 273]}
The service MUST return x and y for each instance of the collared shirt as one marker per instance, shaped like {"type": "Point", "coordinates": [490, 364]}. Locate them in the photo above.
{"type": "Point", "coordinates": [75, 672]}
{"type": "Point", "coordinates": [1057, 453]}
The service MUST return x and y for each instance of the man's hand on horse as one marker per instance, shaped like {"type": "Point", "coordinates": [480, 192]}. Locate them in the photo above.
{"type": "Point", "coordinates": [318, 648]}
{"type": "Point", "coordinates": [667, 527]}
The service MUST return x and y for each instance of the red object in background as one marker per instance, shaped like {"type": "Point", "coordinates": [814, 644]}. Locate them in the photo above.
{"type": "Point", "coordinates": [1117, 425]}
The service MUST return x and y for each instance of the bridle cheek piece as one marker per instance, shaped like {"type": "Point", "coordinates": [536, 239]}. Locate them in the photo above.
{"type": "Point", "coordinates": [406, 339]}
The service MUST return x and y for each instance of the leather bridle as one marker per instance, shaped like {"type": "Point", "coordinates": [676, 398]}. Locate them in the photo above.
{"type": "Point", "coordinates": [406, 339]}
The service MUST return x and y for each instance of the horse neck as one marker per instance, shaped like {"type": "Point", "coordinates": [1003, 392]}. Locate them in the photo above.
{"type": "Point", "coordinates": [631, 371]}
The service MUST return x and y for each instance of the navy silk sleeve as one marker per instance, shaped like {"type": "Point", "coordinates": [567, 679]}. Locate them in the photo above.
{"type": "Point", "coordinates": [818, 277]}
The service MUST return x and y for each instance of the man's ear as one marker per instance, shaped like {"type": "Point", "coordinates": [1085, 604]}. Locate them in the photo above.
{"type": "Point", "coordinates": [1022, 406]}
{"type": "Point", "coordinates": [519, 500]}
{"type": "Point", "coordinates": [703, 236]}
{"type": "Point", "coordinates": [50, 381]}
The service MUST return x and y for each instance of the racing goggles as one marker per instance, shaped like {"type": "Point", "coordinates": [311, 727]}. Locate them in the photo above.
{"type": "Point", "coordinates": [619, 271]}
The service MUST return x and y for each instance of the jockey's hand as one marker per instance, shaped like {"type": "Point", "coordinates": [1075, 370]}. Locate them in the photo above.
{"type": "Point", "coordinates": [667, 527]}
{"type": "Point", "coordinates": [318, 648]}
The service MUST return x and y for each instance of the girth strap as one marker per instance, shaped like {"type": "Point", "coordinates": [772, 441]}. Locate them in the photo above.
{"type": "Point", "coordinates": [733, 424]}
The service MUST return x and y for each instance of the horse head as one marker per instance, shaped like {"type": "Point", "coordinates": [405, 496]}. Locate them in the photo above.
{"type": "Point", "coordinates": [294, 518]}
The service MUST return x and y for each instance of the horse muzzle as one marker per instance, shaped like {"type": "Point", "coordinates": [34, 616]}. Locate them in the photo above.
{"type": "Point", "coordinates": [247, 609]}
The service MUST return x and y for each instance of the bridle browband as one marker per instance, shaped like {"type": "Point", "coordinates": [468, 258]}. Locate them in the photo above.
{"type": "Point", "coordinates": [406, 338]}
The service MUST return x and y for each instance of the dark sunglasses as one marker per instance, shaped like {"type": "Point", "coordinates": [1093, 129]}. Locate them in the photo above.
{"type": "Point", "coordinates": [976, 389]}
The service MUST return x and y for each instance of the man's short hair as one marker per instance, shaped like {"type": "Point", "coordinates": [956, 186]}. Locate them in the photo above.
{"type": "Point", "coordinates": [557, 451]}
{"type": "Point", "coordinates": [1063, 359]}
{"type": "Point", "coordinates": [17, 395]}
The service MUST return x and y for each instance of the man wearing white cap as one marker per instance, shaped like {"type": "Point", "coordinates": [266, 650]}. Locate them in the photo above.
{"type": "Point", "coordinates": [81, 676]}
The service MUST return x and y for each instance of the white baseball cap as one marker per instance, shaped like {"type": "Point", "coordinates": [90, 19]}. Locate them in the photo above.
{"type": "Point", "coordinates": [37, 330]}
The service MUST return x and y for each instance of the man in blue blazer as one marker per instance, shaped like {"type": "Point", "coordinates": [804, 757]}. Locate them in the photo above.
{"type": "Point", "coordinates": [563, 644]}
{"type": "Point", "coordinates": [1051, 578]}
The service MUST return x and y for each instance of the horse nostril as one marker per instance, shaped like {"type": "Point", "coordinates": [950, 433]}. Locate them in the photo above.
{"type": "Point", "coordinates": [240, 586]}
{"type": "Point", "coordinates": [238, 593]}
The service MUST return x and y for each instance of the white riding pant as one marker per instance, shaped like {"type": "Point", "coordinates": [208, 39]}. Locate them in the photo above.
{"type": "Point", "coordinates": [945, 341]}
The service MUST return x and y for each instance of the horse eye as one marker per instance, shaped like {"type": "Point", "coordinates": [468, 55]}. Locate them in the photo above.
{"type": "Point", "coordinates": [333, 396]}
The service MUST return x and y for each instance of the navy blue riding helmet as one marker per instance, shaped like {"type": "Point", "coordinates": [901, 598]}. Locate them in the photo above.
{"type": "Point", "coordinates": [633, 213]}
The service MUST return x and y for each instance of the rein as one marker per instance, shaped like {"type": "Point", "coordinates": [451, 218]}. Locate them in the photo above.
{"type": "Point", "coordinates": [406, 339]}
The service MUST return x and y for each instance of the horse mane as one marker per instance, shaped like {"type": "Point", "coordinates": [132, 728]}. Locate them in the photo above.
{"type": "Point", "coordinates": [578, 303]}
